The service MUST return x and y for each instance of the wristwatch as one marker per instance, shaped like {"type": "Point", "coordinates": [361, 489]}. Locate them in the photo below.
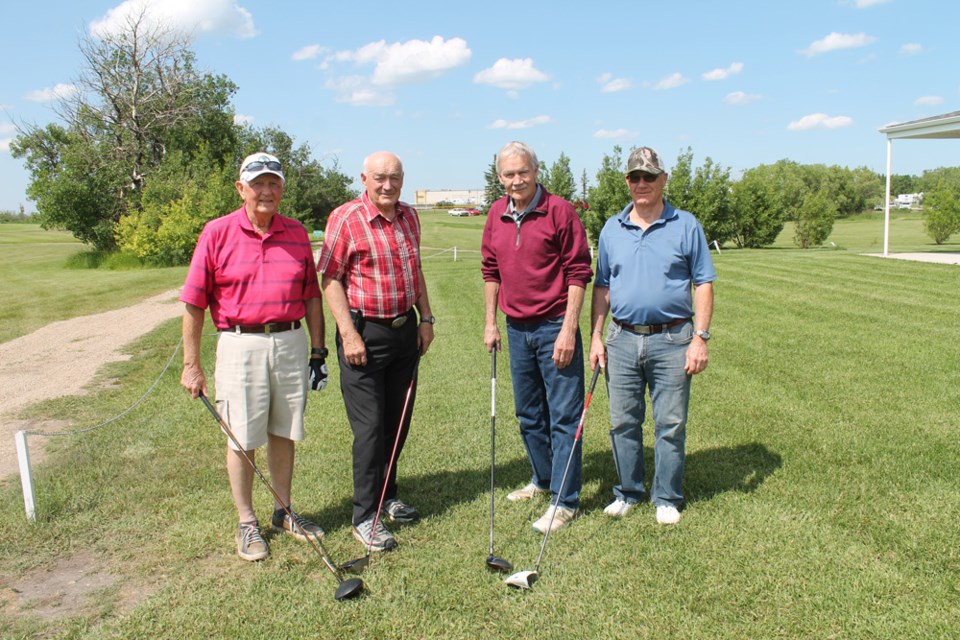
{"type": "Point", "coordinates": [320, 352]}
{"type": "Point", "coordinates": [428, 319]}
{"type": "Point", "coordinates": [703, 334]}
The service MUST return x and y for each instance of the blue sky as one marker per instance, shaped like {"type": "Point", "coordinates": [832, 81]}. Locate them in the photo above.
{"type": "Point", "coordinates": [445, 84]}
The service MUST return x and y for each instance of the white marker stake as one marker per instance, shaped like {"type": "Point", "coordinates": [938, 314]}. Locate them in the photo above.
{"type": "Point", "coordinates": [23, 456]}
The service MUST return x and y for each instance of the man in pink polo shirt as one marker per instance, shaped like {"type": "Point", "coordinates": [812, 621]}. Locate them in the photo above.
{"type": "Point", "coordinates": [254, 270]}
{"type": "Point", "coordinates": [372, 280]}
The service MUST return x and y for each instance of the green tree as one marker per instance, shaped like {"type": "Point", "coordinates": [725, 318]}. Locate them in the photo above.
{"type": "Point", "coordinates": [706, 194]}
{"type": "Point", "coordinates": [560, 180]}
{"type": "Point", "coordinates": [814, 220]}
{"type": "Point", "coordinates": [493, 190]}
{"type": "Point", "coordinates": [609, 196]}
{"type": "Point", "coordinates": [761, 199]}
{"type": "Point", "coordinates": [941, 213]}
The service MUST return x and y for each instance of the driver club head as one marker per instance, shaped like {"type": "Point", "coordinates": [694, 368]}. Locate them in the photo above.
{"type": "Point", "coordinates": [522, 579]}
{"type": "Point", "coordinates": [355, 566]}
{"type": "Point", "coordinates": [349, 589]}
{"type": "Point", "coordinates": [498, 564]}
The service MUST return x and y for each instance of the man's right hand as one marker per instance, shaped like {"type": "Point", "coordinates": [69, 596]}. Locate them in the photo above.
{"type": "Point", "coordinates": [598, 352]}
{"type": "Point", "coordinates": [354, 349]}
{"type": "Point", "coordinates": [193, 380]}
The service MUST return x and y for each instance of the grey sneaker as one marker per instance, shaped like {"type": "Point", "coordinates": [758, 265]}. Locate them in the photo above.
{"type": "Point", "coordinates": [563, 518]}
{"type": "Point", "coordinates": [382, 540]}
{"type": "Point", "coordinates": [250, 544]}
{"type": "Point", "coordinates": [399, 511]}
{"type": "Point", "coordinates": [283, 523]}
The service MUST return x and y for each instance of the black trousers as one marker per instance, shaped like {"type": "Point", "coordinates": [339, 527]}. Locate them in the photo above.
{"type": "Point", "coordinates": [374, 396]}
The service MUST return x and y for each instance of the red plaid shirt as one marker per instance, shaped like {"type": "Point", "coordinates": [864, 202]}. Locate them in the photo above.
{"type": "Point", "coordinates": [377, 260]}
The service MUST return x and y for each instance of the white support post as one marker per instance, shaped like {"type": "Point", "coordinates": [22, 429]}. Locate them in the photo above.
{"type": "Point", "coordinates": [717, 246]}
{"type": "Point", "coordinates": [454, 254]}
{"type": "Point", "coordinates": [23, 456]}
{"type": "Point", "coordinates": [886, 200]}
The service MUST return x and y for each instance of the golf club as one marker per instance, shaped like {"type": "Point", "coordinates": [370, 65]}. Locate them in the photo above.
{"type": "Point", "coordinates": [393, 454]}
{"type": "Point", "coordinates": [346, 589]}
{"type": "Point", "coordinates": [525, 579]}
{"type": "Point", "coordinates": [494, 563]}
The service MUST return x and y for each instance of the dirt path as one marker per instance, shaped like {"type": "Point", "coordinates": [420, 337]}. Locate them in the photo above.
{"type": "Point", "coordinates": [62, 358]}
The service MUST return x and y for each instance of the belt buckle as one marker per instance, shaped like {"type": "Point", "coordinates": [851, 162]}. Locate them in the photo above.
{"type": "Point", "coordinates": [398, 322]}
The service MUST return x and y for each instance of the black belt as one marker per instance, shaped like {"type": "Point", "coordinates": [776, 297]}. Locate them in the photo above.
{"type": "Point", "coordinates": [270, 327]}
{"type": "Point", "coordinates": [394, 323]}
{"type": "Point", "coordinates": [647, 329]}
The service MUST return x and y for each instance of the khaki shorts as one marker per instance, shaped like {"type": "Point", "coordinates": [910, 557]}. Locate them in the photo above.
{"type": "Point", "coordinates": [261, 385]}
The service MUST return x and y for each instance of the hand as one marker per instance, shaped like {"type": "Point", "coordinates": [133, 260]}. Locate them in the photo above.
{"type": "Point", "coordinates": [318, 374]}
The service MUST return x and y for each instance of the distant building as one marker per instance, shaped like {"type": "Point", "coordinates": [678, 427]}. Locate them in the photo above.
{"type": "Point", "coordinates": [429, 197]}
{"type": "Point", "coordinates": [907, 200]}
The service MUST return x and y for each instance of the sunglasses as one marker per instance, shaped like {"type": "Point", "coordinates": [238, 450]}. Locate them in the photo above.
{"type": "Point", "coordinates": [637, 176]}
{"type": "Point", "coordinates": [259, 165]}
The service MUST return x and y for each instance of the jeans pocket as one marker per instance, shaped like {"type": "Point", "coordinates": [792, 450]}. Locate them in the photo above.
{"type": "Point", "coordinates": [681, 334]}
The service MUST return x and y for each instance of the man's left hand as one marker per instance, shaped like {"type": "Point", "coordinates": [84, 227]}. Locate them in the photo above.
{"type": "Point", "coordinates": [318, 374]}
{"type": "Point", "coordinates": [696, 356]}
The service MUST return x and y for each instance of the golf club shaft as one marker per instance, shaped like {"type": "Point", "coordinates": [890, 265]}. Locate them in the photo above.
{"type": "Point", "coordinates": [493, 432]}
{"type": "Point", "coordinates": [396, 443]}
{"type": "Point", "coordinates": [226, 428]}
{"type": "Point", "coordinates": [573, 449]}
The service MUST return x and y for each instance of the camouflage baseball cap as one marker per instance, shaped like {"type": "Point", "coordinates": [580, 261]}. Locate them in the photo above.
{"type": "Point", "coordinates": [645, 159]}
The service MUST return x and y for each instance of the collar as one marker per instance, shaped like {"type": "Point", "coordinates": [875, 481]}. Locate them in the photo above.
{"type": "Point", "coordinates": [669, 213]}
{"type": "Point", "coordinates": [512, 210]}
{"type": "Point", "coordinates": [373, 212]}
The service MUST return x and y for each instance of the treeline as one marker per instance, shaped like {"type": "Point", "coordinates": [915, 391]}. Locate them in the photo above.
{"type": "Point", "coordinates": [752, 210]}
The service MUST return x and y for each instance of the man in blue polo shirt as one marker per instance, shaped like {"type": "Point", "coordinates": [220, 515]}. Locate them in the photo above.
{"type": "Point", "coordinates": [649, 256]}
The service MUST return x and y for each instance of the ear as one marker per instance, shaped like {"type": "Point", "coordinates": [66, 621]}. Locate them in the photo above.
{"type": "Point", "coordinates": [239, 185]}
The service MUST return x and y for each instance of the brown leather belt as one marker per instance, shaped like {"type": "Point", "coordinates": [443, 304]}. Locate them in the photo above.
{"type": "Point", "coordinates": [394, 323]}
{"type": "Point", "coordinates": [270, 327]}
{"type": "Point", "coordinates": [647, 329]}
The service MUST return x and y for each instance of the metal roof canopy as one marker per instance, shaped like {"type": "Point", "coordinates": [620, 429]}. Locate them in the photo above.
{"type": "Point", "coordinates": [942, 126]}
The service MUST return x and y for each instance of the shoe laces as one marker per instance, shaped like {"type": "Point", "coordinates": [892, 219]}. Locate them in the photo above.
{"type": "Point", "coordinates": [250, 534]}
{"type": "Point", "coordinates": [303, 525]}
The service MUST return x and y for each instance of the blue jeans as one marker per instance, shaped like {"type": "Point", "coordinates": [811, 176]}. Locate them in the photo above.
{"type": "Point", "coordinates": [635, 362]}
{"type": "Point", "coordinates": [548, 402]}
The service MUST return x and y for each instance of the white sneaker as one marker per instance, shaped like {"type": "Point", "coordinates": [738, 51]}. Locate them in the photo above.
{"type": "Point", "coordinates": [667, 514]}
{"type": "Point", "coordinates": [563, 518]}
{"type": "Point", "coordinates": [618, 508]}
{"type": "Point", "coordinates": [525, 493]}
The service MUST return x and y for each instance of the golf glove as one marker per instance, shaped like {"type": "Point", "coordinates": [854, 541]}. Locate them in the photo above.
{"type": "Point", "coordinates": [318, 374]}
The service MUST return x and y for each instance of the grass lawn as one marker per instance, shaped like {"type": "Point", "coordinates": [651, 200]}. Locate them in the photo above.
{"type": "Point", "coordinates": [822, 481]}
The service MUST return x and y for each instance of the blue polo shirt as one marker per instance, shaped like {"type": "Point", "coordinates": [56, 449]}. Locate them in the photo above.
{"type": "Point", "coordinates": [650, 272]}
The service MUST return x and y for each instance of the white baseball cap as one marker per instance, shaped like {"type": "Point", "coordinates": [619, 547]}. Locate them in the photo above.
{"type": "Point", "coordinates": [257, 164]}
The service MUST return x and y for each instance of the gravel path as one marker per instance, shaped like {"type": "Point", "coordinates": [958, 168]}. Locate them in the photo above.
{"type": "Point", "coordinates": [62, 358]}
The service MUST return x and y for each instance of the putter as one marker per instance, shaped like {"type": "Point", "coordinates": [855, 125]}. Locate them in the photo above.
{"type": "Point", "coordinates": [494, 563]}
{"type": "Point", "coordinates": [393, 454]}
{"type": "Point", "coordinates": [525, 579]}
{"type": "Point", "coordinates": [346, 589]}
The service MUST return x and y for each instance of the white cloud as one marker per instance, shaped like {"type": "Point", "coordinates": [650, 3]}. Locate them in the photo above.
{"type": "Point", "coordinates": [408, 62]}
{"type": "Point", "coordinates": [358, 91]}
{"type": "Point", "coordinates": [739, 97]}
{"type": "Point", "coordinates": [865, 4]}
{"type": "Point", "coordinates": [239, 118]}
{"type": "Point", "coordinates": [184, 16]}
{"type": "Point", "coordinates": [49, 94]}
{"type": "Point", "coordinates": [617, 84]}
{"type": "Point", "coordinates": [614, 134]}
{"type": "Point", "coordinates": [5, 130]}
{"type": "Point", "coordinates": [723, 74]}
{"type": "Point", "coordinates": [511, 74]}
{"type": "Point", "coordinates": [5, 144]}
{"type": "Point", "coordinates": [928, 101]}
{"type": "Point", "coordinates": [520, 124]}
{"type": "Point", "coordinates": [819, 121]}
{"type": "Point", "coordinates": [308, 52]}
{"type": "Point", "coordinates": [672, 81]}
{"type": "Point", "coordinates": [836, 41]}
{"type": "Point", "coordinates": [911, 49]}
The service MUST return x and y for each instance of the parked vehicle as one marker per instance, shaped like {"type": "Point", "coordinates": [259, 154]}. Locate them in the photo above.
{"type": "Point", "coordinates": [473, 212]}
{"type": "Point", "coordinates": [459, 213]}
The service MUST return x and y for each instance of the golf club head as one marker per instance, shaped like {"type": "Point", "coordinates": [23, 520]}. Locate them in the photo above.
{"type": "Point", "coordinates": [355, 566]}
{"type": "Point", "coordinates": [522, 579]}
{"type": "Point", "coordinates": [349, 589]}
{"type": "Point", "coordinates": [498, 564]}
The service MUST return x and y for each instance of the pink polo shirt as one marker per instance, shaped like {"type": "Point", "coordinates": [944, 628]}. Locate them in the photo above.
{"type": "Point", "coordinates": [247, 279]}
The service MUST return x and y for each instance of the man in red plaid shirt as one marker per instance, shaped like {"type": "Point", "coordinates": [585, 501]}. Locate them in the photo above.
{"type": "Point", "coordinates": [373, 282]}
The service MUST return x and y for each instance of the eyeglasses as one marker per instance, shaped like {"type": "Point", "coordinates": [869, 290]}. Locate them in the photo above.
{"type": "Point", "coordinates": [637, 176]}
{"type": "Point", "coordinates": [259, 165]}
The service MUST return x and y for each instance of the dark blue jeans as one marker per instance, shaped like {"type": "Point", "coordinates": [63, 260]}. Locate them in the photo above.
{"type": "Point", "coordinates": [548, 403]}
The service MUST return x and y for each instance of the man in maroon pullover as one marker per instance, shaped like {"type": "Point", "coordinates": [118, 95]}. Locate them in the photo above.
{"type": "Point", "coordinates": [536, 266]}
